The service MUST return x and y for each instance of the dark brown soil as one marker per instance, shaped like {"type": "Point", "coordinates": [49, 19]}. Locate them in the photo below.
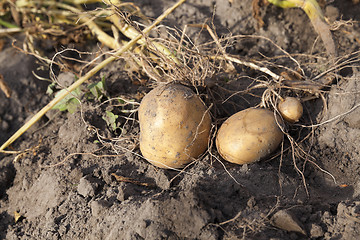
{"type": "Point", "coordinates": [82, 199]}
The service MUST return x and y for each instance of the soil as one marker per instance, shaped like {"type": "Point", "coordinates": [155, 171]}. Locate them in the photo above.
{"type": "Point", "coordinates": [73, 184]}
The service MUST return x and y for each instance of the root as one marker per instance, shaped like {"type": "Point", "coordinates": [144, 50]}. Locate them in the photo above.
{"type": "Point", "coordinates": [62, 162]}
{"type": "Point", "coordinates": [270, 99]}
{"type": "Point", "coordinates": [331, 119]}
{"type": "Point", "coordinates": [253, 226]}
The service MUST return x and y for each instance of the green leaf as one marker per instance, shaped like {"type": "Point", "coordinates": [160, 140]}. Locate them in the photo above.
{"type": "Point", "coordinates": [98, 90]}
{"type": "Point", "coordinates": [121, 101]}
{"type": "Point", "coordinates": [110, 119]}
{"type": "Point", "coordinates": [50, 88]}
{"type": "Point", "coordinates": [7, 24]}
{"type": "Point", "coordinates": [70, 102]}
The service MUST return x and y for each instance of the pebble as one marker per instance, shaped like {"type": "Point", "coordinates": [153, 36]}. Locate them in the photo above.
{"type": "Point", "coordinates": [4, 125]}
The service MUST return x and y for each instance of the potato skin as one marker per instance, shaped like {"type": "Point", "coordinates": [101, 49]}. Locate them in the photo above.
{"type": "Point", "coordinates": [174, 126]}
{"type": "Point", "coordinates": [291, 109]}
{"type": "Point", "coordinates": [248, 136]}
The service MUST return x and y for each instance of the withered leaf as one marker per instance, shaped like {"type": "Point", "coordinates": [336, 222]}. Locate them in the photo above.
{"type": "Point", "coordinates": [129, 180]}
{"type": "Point", "coordinates": [4, 87]}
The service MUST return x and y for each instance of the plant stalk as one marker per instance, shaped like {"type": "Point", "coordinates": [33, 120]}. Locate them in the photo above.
{"type": "Point", "coordinates": [91, 73]}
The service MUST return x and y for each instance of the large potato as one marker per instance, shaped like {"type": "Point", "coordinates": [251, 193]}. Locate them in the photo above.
{"type": "Point", "coordinates": [174, 126]}
{"type": "Point", "coordinates": [248, 136]}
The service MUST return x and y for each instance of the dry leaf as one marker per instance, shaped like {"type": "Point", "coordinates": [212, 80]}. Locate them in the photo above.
{"type": "Point", "coordinates": [129, 180]}
{"type": "Point", "coordinates": [2, 43]}
{"type": "Point", "coordinates": [323, 29]}
{"type": "Point", "coordinates": [17, 216]}
{"type": "Point", "coordinates": [256, 11]}
{"type": "Point", "coordinates": [4, 87]}
{"type": "Point", "coordinates": [14, 13]}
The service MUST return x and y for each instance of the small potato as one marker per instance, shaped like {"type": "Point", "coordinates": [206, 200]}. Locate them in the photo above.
{"type": "Point", "coordinates": [248, 136]}
{"type": "Point", "coordinates": [174, 126]}
{"type": "Point", "coordinates": [291, 109]}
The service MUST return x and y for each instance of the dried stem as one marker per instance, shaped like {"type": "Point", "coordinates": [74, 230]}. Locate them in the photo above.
{"type": "Point", "coordinates": [91, 73]}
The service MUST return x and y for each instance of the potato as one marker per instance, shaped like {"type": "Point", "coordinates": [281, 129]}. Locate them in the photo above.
{"type": "Point", "coordinates": [174, 126]}
{"type": "Point", "coordinates": [248, 136]}
{"type": "Point", "coordinates": [291, 109]}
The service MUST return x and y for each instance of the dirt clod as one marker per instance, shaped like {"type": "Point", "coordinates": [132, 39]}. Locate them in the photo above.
{"type": "Point", "coordinates": [87, 186]}
{"type": "Point", "coordinates": [316, 231]}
